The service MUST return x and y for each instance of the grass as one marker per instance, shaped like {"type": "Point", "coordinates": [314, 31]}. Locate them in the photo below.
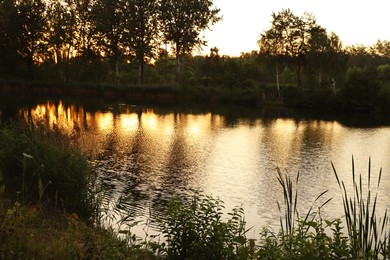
{"type": "Point", "coordinates": [42, 166]}
{"type": "Point", "coordinates": [29, 232]}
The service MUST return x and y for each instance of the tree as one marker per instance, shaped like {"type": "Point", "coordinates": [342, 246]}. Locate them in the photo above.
{"type": "Point", "coordinates": [110, 18]}
{"type": "Point", "coordinates": [359, 56]}
{"type": "Point", "coordinates": [143, 31]}
{"type": "Point", "coordinates": [34, 30]}
{"type": "Point", "coordinates": [10, 30]}
{"type": "Point", "coordinates": [62, 32]}
{"type": "Point", "coordinates": [86, 40]}
{"type": "Point", "coordinates": [382, 48]}
{"type": "Point", "coordinates": [288, 38]}
{"type": "Point", "coordinates": [325, 56]}
{"type": "Point", "coordinates": [182, 24]}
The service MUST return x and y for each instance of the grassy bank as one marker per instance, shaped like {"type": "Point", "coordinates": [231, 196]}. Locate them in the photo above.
{"type": "Point", "coordinates": [48, 200]}
{"type": "Point", "coordinates": [43, 166]}
{"type": "Point", "coordinates": [49, 210]}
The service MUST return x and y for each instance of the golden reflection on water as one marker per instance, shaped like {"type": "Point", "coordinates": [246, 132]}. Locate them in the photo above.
{"type": "Point", "coordinates": [129, 122]}
{"type": "Point", "coordinates": [149, 121]}
{"type": "Point", "coordinates": [105, 121]}
{"type": "Point", "coordinates": [175, 152]}
{"type": "Point", "coordinates": [55, 115]}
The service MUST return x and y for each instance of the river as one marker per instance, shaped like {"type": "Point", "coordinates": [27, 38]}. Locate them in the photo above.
{"type": "Point", "coordinates": [149, 154]}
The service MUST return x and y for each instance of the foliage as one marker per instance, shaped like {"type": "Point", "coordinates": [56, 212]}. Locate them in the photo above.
{"type": "Point", "coordinates": [143, 36]}
{"type": "Point", "coordinates": [289, 38]}
{"type": "Point", "coordinates": [125, 43]}
{"type": "Point", "coordinates": [42, 166]}
{"type": "Point", "coordinates": [182, 21]}
{"type": "Point", "coordinates": [9, 33]}
{"type": "Point", "coordinates": [31, 19]}
{"type": "Point", "coordinates": [361, 89]}
{"type": "Point", "coordinates": [196, 229]}
{"type": "Point", "coordinates": [30, 232]}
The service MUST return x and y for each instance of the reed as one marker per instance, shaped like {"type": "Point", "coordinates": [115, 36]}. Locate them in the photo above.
{"type": "Point", "coordinates": [291, 216]}
{"type": "Point", "coordinates": [368, 233]}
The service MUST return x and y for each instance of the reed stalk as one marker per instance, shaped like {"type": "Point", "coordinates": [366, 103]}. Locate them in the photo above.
{"type": "Point", "coordinates": [367, 233]}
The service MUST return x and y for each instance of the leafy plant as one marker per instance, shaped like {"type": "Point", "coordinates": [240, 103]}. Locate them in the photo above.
{"type": "Point", "coordinates": [196, 229]}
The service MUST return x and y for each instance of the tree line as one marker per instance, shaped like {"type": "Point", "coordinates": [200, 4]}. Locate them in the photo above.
{"type": "Point", "coordinates": [147, 42]}
{"type": "Point", "coordinates": [62, 32]}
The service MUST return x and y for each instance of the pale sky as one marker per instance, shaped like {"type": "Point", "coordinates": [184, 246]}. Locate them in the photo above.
{"type": "Point", "coordinates": [354, 21]}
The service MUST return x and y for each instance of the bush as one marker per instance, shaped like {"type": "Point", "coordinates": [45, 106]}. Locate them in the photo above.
{"type": "Point", "coordinates": [195, 229]}
{"type": "Point", "coordinates": [361, 90]}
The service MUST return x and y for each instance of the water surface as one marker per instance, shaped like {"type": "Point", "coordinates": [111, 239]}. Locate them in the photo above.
{"type": "Point", "coordinates": [150, 154]}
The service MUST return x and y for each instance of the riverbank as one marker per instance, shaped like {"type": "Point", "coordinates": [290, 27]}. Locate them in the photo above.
{"type": "Point", "coordinates": [336, 101]}
{"type": "Point", "coordinates": [49, 199]}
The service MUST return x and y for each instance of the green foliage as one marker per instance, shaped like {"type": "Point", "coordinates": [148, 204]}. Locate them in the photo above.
{"type": "Point", "coordinates": [361, 90]}
{"type": "Point", "coordinates": [32, 233]}
{"type": "Point", "coordinates": [182, 23]}
{"type": "Point", "coordinates": [44, 167]}
{"type": "Point", "coordinates": [315, 239]}
{"type": "Point", "coordinates": [143, 35]}
{"type": "Point", "coordinates": [196, 229]}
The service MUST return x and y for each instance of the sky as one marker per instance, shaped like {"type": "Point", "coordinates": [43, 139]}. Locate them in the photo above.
{"type": "Point", "coordinates": [354, 21]}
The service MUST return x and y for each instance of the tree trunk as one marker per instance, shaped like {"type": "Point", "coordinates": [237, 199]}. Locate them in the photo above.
{"type": "Point", "coordinates": [141, 66]}
{"type": "Point", "coordinates": [320, 79]}
{"type": "Point", "coordinates": [298, 72]}
{"type": "Point", "coordinates": [116, 71]}
{"type": "Point", "coordinates": [277, 81]}
{"type": "Point", "coordinates": [179, 65]}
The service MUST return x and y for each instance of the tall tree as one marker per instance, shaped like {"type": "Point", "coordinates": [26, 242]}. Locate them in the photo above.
{"type": "Point", "coordinates": [325, 56]}
{"type": "Point", "coordinates": [289, 37]}
{"type": "Point", "coordinates": [10, 30]}
{"type": "Point", "coordinates": [34, 29]}
{"type": "Point", "coordinates": [359, 56]}
{"type": "Point", "coordinates": [110, 17]}
{"type": "Point", "coordinates": [182, 24]}
{"type": "Point", "coordinates": [86, 40]}
{"type": "Point", "coordinates": [381, 48]}
{"type": "Point", "coordinates": [62, 33]}
{"type": "Point", "coordinates": [143, 29]}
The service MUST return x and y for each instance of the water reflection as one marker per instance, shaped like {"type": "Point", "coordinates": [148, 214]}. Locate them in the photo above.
{"type": "Point", "coordinates": [149, 154]}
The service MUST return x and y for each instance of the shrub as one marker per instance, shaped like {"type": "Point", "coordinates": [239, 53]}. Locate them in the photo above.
{"type": "Point", "coordinates": [196, 229]}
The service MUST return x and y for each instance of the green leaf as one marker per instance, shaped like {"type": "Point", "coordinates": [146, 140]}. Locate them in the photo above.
{"type": "Point", "coordinates": [240, 239]}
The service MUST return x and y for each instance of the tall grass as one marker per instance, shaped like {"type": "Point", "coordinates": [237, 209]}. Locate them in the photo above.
{"type": "Point", "coordinates": [290, 194]}
{"type": "Point", "coordinates": [368, 233]}
{"type": "Point", "coordinates": [42, 166]}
